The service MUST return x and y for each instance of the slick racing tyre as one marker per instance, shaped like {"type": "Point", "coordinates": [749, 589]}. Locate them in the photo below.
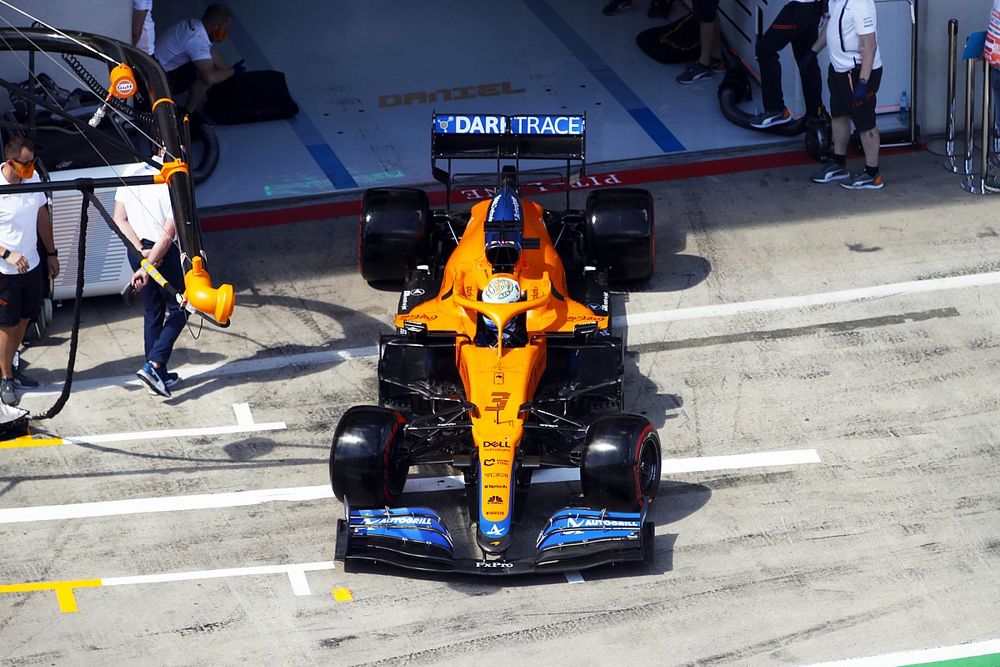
{"type": "Point", "coordinates": [367, 466]}
{"type": "Point", "coordinates": [204, 150]}
{"type": "Point", "coordinates": [393, 233]}
{"type": "Point", "coordinates": [621, 463]}
{"type": "Point", "coordinates": [620, 233]}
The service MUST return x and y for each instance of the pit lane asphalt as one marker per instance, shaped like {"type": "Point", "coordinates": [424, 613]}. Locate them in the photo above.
{"type": "Point", "coordinates": [888, 543]}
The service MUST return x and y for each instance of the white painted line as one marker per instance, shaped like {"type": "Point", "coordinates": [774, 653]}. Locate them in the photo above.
{"type": "Point", "coordinates": [175, 433]}
{"type": "Point", "coordinates": [246, 366]}
{"type": "Point", "coordinates": [243, 415]}
{"type": "Point", "coordinates": [939, 654]}
{"type": "Point", "coordinates": [323, 491]}
{"type": "Point", "coordinates": [163, 504]}
{"type": "Point", "coordinates": [298, 568]}
{"type": "Point", "coordinates": [574, 577]}
{"type": "Point", "coordinates": [300, 585]}
{"type": "Point", "coordinates": [789, 457]}
{"type": "Point", "coordinates": [810, 300]}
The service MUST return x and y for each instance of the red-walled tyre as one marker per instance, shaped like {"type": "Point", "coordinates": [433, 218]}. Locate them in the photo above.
{"type": "Point", "coordinates": [621, 463]}
{"type": "Point", "coordinates": [367, 465]}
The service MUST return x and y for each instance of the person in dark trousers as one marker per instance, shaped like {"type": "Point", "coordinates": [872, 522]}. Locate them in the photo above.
{"type": "Point", "coordinates": [797, 24]}
{"type": "Point", "coordinates": [854, 77]}
{"type": "Point", "coordinates": [145, 216]}
{"type": "Point", "coordinates": [24, 219]}
{"type": "Point", "coordinates": [706, 13]}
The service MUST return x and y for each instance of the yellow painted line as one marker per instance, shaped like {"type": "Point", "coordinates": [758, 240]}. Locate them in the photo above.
{"type": "Point", "coordinates": [30, 441]}
{"type": "Point", "coordinates": [342, 595]}
{"type": "Point", "coordinates": [63, 590]}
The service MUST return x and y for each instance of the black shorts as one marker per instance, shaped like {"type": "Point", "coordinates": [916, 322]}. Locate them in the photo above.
{"type": "Point", "coordinates": [704, 10]}
{"type": "Point", "coordinates": [20, 296]}
{"type": "Point", "coordinates": [842, 97]}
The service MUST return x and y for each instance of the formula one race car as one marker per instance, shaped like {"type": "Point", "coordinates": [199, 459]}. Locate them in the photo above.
{"type": "Point", "coordinates": [503, 362]}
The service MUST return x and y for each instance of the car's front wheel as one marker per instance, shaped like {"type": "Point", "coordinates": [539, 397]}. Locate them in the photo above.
{"type": "Point", "coordinates": [621, 463]}
{"type": "Point", "coordinates": [368, 467]}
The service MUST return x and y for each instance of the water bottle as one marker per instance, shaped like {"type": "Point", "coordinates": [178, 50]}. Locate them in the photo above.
{"type": "Point", "coordinates": [904, 109]}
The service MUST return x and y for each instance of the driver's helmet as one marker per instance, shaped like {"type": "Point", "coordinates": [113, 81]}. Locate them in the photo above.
{"type": "Point", "coordinates": [504, 230]}
{"type": "Point", "coordinates": [501, 290]}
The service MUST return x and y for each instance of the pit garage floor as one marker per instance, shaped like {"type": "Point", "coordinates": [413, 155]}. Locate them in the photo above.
{"type": "Point", "coordinates": [821, 366]}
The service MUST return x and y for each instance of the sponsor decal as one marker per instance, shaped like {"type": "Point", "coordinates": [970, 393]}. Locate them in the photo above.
{"type": "Point", "coordinates": [495, 530]}
{"type": "Point", "coordinates": [494, 475]}
{"type": "Point", "coordinates": [448, 94]}
{"type": "Point", "coordinates": [404, 300]}
{"type": "Point", "coordinates": [495, 486]}
{"type": "Point", "coordinates": [398, 521]}
{"type": "Point", "coordinates": [489, 462]}
{"type": "Point", "coordinates": [600, 306]}
{"type": "Point", "coordinates": [494, 500]}
{"type": "Point", "coordinates": [124, 88]}
{"type": "Point", "coordinates": [551, 125]}
{"type": "Point", "coordinates": [600, 523]}
{"type": "Point", "coordinates": [494, 563]}
{"type": "Point", "coordinates": [422, 316]}
{"type": "Point", "coordinates": [496, 444]}
{"type": "Point", "coordinates": [495, 515]}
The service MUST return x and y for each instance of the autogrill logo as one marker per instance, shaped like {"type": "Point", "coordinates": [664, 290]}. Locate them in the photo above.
{"type": "Point", "coordinates": [600, 523]}
{"type": "Point", "coordinates": [448, 94]}
{"type": "Point", "coordinates": [398, 521]}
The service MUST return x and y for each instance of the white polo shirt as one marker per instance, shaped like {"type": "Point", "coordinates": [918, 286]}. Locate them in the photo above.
{"type": "Point", "coordinates": [147, 39]}
{"type": "Point", "coordinates": [848, 19]}
{"type": "Point", "coordinates": [19, 224]}
{"type": "Point", "coordinates": [147, 206]}
{"type": "Point", "coordinates": [183, 43]}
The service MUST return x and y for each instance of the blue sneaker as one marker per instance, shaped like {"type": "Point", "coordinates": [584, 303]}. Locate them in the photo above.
{"type": "Point", "coordinates": [152, 379]}
{"type": "Point", "coordinates": [169, 379]}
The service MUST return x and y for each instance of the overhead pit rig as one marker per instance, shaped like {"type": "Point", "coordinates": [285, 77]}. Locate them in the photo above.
{"type": "Point", "coordinates": [137, 98]}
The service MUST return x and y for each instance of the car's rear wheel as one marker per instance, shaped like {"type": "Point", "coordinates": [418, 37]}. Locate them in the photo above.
{"type": "Point", "coordinates": [621, 463]}
{"type": "Point", "coordinates": [620, 233]}
{"type": "Point", "coordinates": [367, 465]}
{"type": "Point", "coordinates": [393, 235]}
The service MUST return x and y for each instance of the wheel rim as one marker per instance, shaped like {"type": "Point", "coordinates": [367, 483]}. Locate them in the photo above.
{"type": "Point", "coordinates": [649, 468]}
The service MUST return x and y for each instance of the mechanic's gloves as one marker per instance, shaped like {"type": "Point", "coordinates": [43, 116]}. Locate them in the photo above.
{"type": "Point", "coordinates": [807, 59]}
{"type": "Point", "coordinates": [860, 91]}
{"type": "Point", "coordinates": [239, 68]}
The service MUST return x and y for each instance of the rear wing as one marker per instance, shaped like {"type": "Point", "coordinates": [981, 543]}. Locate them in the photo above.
{"type": "Point", "coordinates": [553, 137]}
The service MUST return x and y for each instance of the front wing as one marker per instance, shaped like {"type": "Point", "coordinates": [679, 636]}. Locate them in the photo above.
{"type": "Point", "coordinates": [416, 538]}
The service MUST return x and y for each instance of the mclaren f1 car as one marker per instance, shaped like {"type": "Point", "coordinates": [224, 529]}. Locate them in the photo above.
{"type": "Point", "coordinates": [503, 362]}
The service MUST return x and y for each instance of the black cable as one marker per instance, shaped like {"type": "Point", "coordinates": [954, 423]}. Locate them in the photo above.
{"type": "Point", "coordinates": [81, 256]}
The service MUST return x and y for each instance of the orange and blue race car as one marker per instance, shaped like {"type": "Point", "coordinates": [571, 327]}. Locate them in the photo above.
{"type": "Point", "coordinates": [504, 361]}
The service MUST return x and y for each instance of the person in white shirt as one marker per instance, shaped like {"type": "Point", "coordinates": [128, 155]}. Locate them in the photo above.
{"type": "Point", "coordinates": [186, 54]}
{"type": "Point", "coordinates": [24, 218]}
{"type": "Point", "coordinates": [145, 216]}
{"type": "Point", "coordinates": [854, 77]}
{"type": "Point", "coordinates": [143, 29]}
{"type": "Point", "coordinates": [797, 23]}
